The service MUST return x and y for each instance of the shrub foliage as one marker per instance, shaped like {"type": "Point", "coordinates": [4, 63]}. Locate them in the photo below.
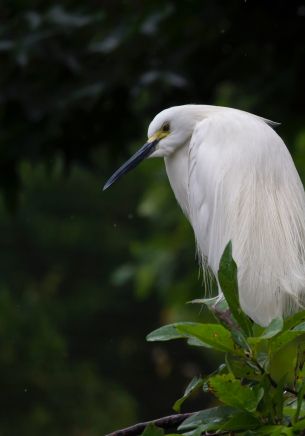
{"type": "Point", "coordinates": [260, 386]}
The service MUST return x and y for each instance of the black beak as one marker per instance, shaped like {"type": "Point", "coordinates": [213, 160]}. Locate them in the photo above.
{"type": "Point", "coordinates": [141, 154]}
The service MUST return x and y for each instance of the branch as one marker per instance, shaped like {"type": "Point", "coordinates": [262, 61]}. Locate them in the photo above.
{"type": "Point", "coordinates": [167, 422]}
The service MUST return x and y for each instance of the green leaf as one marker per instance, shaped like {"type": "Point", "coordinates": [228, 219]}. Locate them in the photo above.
{"type": "Point", "coordinates": [166, 333]}
{"type": "Point", "coordinates": [271, 406]}
{"type": "Point", "coordinates": [212, 417]}
{"type": "Point", "coordinates": [240, 421]}
{"type": "Point", "coordinates": [279, 341]}
{"type": "Point", "coordinates": [199, 431]}
{"type": "Point", "coordinates": [230, 391]}
{"type": "Point", "coordinates": [294, 320]}
{"type": "Point", "coordinates": [240, 339]}
{"type": "Point", "coordinates": [152, 430]}
{"type": "Point", "coordinates": [275, 430]}
{"type": "Point", "coordinates": [214, 335]}
{"type": "Point", "coordinates": [200, 335]}
{"type": "Point", "coordinates": [301, 393]}
{"type": "Point", "coordinates": [227, 276]}
{"type": "Point", "coordinates": [194, 342]}
{"type": "Point", "coordinates": [275, 327]}
{"type": "Point", "coordinates": [299, 328]}
{"type": "Point", "coordinates": [300, 425]}
{"type": "Point", "coordinates": [195, 383]}
{"type": "Point", "coordinates": [263, 358]}
{"type": "Point", "coordinates": [257, 329]}
{"type": "Point", "coordinates": [220, 309]}
{"type": "Point", "coordinates": [241, 368]}
{"type": "Point", "coordinates": [278, 398]}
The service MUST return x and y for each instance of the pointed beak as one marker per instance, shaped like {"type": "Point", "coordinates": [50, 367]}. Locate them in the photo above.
{"type": "Point", "coordinates": [141, 154]}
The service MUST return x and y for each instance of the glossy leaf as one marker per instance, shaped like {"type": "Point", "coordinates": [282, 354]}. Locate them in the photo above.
{"type": "Point", "coordinates": [166, 333]}
{"type": "Point", "coordinates": [214, 335]}
{"type": "Point", "coordinates": [200, 335]}
{"type": "Point", "coordinates": [227, 276]}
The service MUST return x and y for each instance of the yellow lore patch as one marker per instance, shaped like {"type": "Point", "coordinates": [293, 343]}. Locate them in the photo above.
{"type": "Point", "coordinates": [160, 134]}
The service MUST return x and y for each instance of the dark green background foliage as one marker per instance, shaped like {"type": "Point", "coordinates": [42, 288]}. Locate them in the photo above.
{"type": "Point", "coordinates": [85, 275]}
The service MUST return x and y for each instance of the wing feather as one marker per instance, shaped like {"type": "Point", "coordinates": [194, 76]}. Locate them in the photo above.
{"type": "Point", "coordinates": [243, 186]}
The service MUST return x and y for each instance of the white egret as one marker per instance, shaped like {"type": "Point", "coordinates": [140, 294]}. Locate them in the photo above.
{"type": "Point", "coordinates": [235, 180]}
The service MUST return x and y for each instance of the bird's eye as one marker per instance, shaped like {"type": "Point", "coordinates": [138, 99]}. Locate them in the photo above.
{"type": "Point", "coordinates": [165, 127]}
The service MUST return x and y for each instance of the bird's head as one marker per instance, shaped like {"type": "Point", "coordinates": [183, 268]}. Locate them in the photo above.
{"type": "Point", "coordinates": [168, 131]}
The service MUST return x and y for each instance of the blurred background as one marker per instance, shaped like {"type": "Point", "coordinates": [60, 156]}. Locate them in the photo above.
{"type": "Point", "coordinates": [85, 275]}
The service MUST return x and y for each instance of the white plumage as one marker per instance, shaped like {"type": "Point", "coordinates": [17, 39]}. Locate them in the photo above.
{"type": "Point", "coordinates": [235, 180]}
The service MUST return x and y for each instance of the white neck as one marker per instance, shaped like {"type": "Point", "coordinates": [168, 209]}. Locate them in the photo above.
{"type": "Point", "coordinates": [177, 171]}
